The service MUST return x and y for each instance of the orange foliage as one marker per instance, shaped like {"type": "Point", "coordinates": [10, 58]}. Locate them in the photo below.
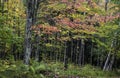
{"type": "Point", "coordinates": [45, 29]}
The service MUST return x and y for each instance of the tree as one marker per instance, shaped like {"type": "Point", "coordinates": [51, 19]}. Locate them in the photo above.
{"type": "Point", "coordinates": [31, 12]}
{"type": "Point", "coordinates": [11, 26]}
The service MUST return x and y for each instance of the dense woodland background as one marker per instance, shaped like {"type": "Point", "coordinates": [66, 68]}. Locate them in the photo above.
{"type": "Point", "coordinates": [59, 38]}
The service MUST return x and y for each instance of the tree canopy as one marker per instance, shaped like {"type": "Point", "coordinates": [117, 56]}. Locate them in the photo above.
{"type": "Point", "coordinates": [53, 36]}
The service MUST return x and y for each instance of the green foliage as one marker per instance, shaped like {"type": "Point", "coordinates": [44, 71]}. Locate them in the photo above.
{"type": "Point", "coordinates": [19, 70]}
{"type": "Point", "coordinates": [88, 22]}
{"type": "Point", "coordinates": [42, 70]}
{"type": "Point", "coordinates": [11, 26]}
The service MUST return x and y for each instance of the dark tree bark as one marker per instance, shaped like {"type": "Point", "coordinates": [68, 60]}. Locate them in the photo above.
{"type": "Point", "coordinates": [37, 52]}
{"type": "Point", "coordinates": [81, 53]}
{"type": "Point", "coordinates": [65, 57]}
{"type": "Point", "coordinates": [13, 51]}
{"type": "Point", "coordinates": [83, 50]}
{"type": "Point", "coordinates": [71, 50]}
{"type": "Point", "coordinates": [32, 6]}
{"type": "Point", "coordinates": [77, 50]}
{"type": "Point", "coordinates": [106, 5]}
{"type": "Point", "coordinates": [91, 53]}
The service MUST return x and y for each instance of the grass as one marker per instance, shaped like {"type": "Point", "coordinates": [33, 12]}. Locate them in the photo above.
{"type": "Point", "coordinates": [50, 70]}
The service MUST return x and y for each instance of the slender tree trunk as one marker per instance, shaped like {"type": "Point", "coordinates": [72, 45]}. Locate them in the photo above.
{"type": "Point", "coordinates": [111, 63]}
{"type": "Point", "coordinates": [112, 56]}
{"type": "Point", "coordinates": [107, 61]}
{"type": "Point", "coordinates": [81, 54]}
{"type": "Point", "coordinates": [56, 58]}
{"type": "Point", "coordinates": [74, 52]}
{"type": "Point", "coordinates": [77, 50]}
{"type": "Point", "coordinates": [28, 38]}
{"type": "Point", "coordinates": [71, 50]}
{"type": "Point", "coordinates": [108, 58]}
{"type": "Point", "coordinates": [106, 5]}
{"type": "Point", "coordinates": [83, 50]}
{"type": "Point", "coordinates": [65, 57]}
{"type": "Point", "coordinates": [37, 52]}
{"type": "Point", "coordinates": [91, 55]}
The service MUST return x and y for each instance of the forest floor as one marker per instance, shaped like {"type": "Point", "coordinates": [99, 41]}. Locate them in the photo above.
{"type": "Point", "coordinates": [12, 69]}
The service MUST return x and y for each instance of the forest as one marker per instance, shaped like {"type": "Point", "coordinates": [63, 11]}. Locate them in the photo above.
{"type": "Point", "coordinates": [59, 38]}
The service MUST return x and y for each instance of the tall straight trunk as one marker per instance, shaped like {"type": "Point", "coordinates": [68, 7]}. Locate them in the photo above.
{"type": "Point", "coordinates": [61, 58]}
{"type": "Point", "coordinates": [32, 6]}
{"type": "Point", "coordinates": [28, 37]}
{"type": "Point", "coordinates": [91, 53]}
{"type": "Point", "coordinates": [77, 50]}
{"type": "Point", "coordinates": [59, 53]}
{"type": "Point", "coordinates": [56, 35]}
{"type": "Point", "coordinates": [83, 50]}
{"type": "Point", "coordinates": [71, 50]}
{"type": "Point", "coordinates": [37, 52]}
{"type": "Point", "coordinates": [65, 57]}
{"type": "Point", "coordinates": [81, 54]}
{"type": "Point", "coordinates": [74, 53]}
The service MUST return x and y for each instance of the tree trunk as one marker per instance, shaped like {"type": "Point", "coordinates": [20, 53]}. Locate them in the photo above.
{"type": "Point", "coordinates": [65, 57]}
{"type": "Point", "coordinates": [91, 53]}
{"type": "Point", "coordinates": [77, 50]}
{"type": "Point", "coordinates": [81, 54]}
{"type": "Point", "coordinates": [32, 6]}
{"type": "Point", "coordinates": [28, 39]}
{"type": "Point", "coordinates": [111, 63]}
{"type": "Point", "coordinates": [107, 60]}
{"type": "Point", "coordinates": [37, 52]}
{"type": "Point", "coordinates": [106, 5]}
{"type": "Point", "coordinates": [71, 50]}
{"type": "Point", "coordinates": [83, 50]}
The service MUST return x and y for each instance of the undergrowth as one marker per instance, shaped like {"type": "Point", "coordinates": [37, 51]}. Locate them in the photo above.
{"type": "Point", "coordinates": [49, 70]}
